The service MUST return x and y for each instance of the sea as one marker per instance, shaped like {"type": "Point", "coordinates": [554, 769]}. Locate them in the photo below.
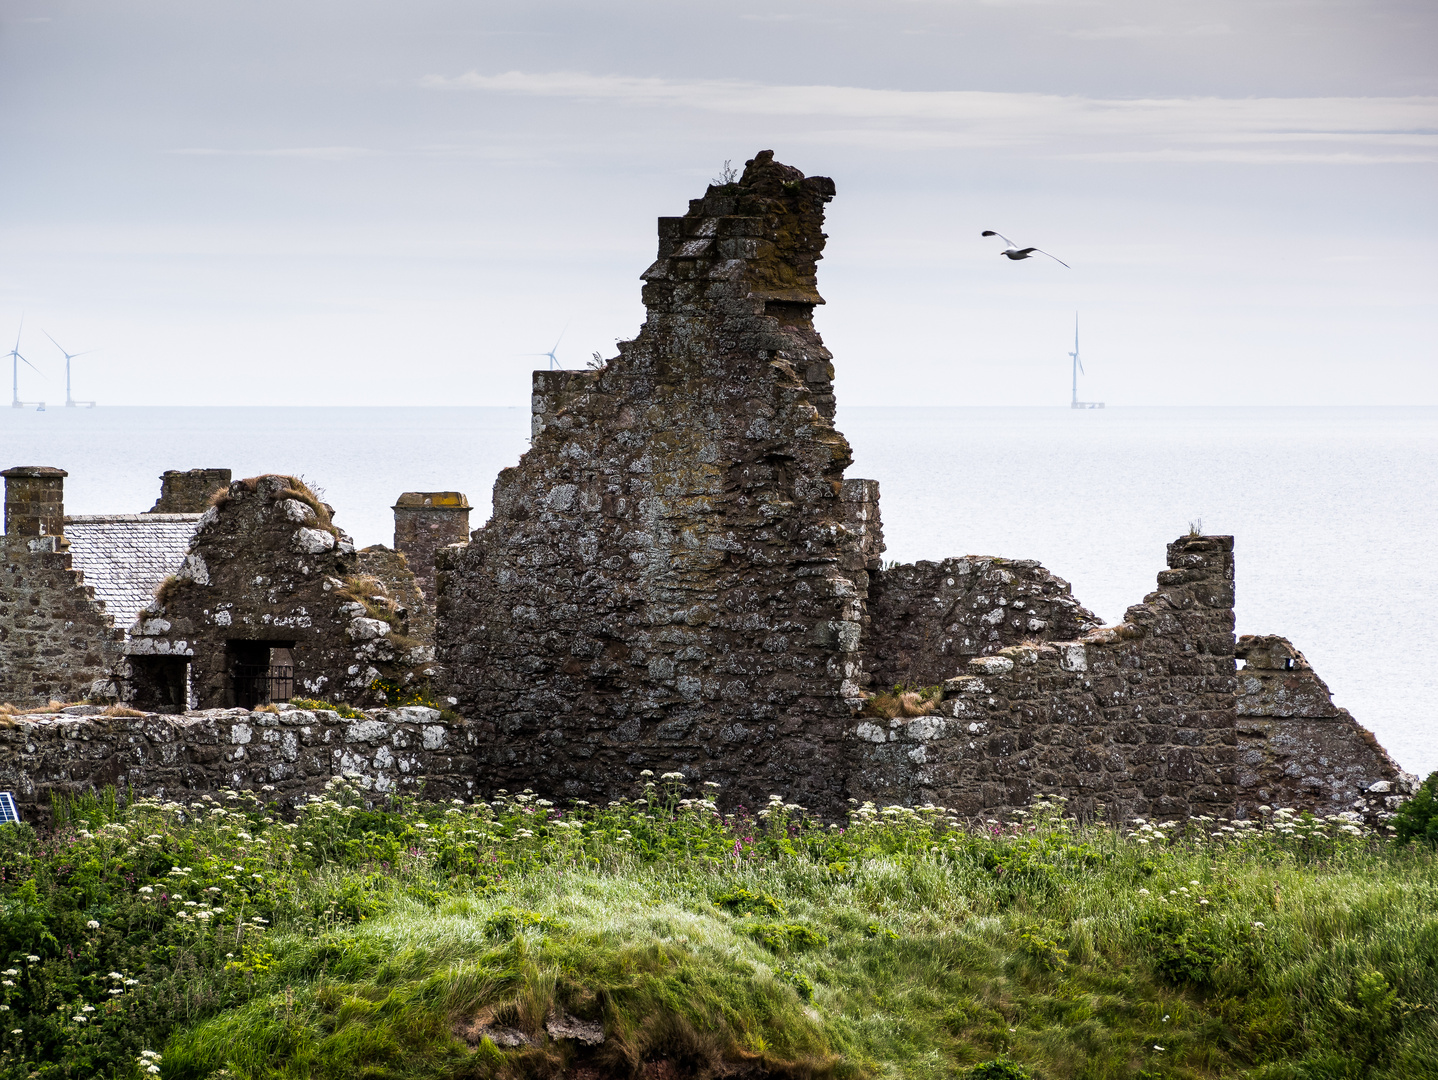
{"type": "Point", "coordinates": [1333, 509]}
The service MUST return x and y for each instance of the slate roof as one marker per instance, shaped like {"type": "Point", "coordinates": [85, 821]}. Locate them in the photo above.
{"type": "Point", "coordinates": [125, 556]}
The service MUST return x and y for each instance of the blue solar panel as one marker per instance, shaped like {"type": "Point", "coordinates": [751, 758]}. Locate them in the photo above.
{"type": "Point", "coordinates": [8, 810]}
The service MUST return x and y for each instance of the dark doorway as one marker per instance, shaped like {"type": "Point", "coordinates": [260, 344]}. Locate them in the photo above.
{"type": "Point", "coordinates": [261, 672]}
{"type": "Point", "coordinates": [160, 683]}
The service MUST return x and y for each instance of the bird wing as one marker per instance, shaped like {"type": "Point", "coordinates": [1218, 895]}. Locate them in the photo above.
{"type": "Point", "coordinates": [1055, 258]}
{"type": "Point", "coordinates": [1001, 236]}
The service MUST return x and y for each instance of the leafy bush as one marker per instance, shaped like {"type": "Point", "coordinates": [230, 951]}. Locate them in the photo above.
{"type": "Point", "coordinates": [786, 937]}
{"type": "Point", "coordinates": [1000, 1068]}
{"type": "Point", "coordinates": [1417, 818]}
{"type": "Point", "coordinates": [742, 900]}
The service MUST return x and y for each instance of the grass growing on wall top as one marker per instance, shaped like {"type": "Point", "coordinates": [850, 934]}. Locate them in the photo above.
{"type": "Point", "coordinates": [414, 939]}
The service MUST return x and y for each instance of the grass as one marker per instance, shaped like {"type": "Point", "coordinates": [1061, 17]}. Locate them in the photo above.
{"type": "Point", "coordinates": [405, 941]}
{"type": "Point", "coordinates": [903, 701]}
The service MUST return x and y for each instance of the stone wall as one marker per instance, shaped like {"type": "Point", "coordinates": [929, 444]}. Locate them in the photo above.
{"type": "Point", "coordinates": [1137, 718]}
{"type": "Point", "coordinates": [190, 491]}
{"type": "Point", "coordinates": [293, 751]}
{"type": "Point", "coordinates": [57, 642]}
{"type": "Point", "coordinates": [268, 570]}
{"type": "Point", "coordinates": [671, 578]}
{"type": "Point", "coordinates": [1296, 748]}
{"type": "Point", "coordinates": [927, 619]}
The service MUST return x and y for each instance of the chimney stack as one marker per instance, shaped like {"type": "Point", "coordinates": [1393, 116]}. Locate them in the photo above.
{"type": "Point", "coordinates": [35, 501]}
{"type": "Point", "coordinates": [189, 492]}
{"type": "Point", "coordinates": [424, 522]}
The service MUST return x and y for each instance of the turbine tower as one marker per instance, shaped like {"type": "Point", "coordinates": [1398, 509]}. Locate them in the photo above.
{"type": "Point", "coordinates": [69, 401]}
{"type": "Point", "coordinates": [15, 358]}
{"type": "Point", "coordinates": [1075, 354]}
{"type": "Point", "coordinates": [1078, 367]}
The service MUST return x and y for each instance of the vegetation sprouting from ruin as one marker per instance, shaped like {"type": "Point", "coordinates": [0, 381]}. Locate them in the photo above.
{"type": "Point", "coordinates": [658, 937]}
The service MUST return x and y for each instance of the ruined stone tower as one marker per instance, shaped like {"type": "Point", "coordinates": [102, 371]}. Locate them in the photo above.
{"type": "Point", "coordinates": [674, 574]}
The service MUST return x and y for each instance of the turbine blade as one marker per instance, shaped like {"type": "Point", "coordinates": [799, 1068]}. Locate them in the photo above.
{"type": "Point", "coordinates": [33, 368]}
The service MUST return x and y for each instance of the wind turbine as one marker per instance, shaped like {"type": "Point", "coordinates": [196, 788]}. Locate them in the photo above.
{"type": "Point", "coordinates": [15, 358]}
{"type": "Point", "coordinates": [1078, 367]}
{"type": "Point", "coordinates": [1078, 364]}
{"type": "Point", "coordinates": [554, 363]}
{"type": "Point", "coordinates": [69, 401]}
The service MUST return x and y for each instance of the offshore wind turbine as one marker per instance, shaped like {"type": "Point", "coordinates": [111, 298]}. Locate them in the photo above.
{"type": "Point", "coordinates": [69, 401]}
{"type": "Point", "coordinates": [554, 363]}
{"type": "Point", "coordinates": [15, 358]}
{"type": "Point", "coordinates": [1077, 367]}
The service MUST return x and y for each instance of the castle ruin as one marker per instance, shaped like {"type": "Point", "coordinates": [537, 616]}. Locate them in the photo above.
{"type": "Point", "coordinates": [677, 576]}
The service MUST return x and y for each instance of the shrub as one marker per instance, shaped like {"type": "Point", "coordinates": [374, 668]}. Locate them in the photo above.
{"type": "Point", "coordinates": [1000, 1068]}
{"type": "Point", "coordinates": [1417, 819]}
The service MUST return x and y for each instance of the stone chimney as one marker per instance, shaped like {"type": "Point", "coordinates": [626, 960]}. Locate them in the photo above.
{"type": "Point", "coordinates": [189, 492]}
{"type": "Point", "coordinates": [35, 501]}
{"type": "Point", "coordinates": [424, 522]}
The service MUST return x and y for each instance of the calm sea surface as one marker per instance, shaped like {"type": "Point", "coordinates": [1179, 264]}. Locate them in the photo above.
{"type": "Point", "coordinates": [1334, 510]}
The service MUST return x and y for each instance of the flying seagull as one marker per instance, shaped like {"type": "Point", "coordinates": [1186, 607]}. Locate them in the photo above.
{"type": "Point", "coordinates": [1013, 251]}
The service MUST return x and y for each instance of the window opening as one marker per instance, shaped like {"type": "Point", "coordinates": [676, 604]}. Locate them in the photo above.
{"type": "Point", "coordinates": [261, 672]}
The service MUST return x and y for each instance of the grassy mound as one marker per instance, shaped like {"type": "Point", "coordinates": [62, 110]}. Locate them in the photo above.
{"type": "Point", "coordinates": [658, 938]}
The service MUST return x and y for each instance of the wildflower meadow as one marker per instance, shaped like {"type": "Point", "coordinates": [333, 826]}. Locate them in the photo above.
{"type": "Point", "coordinates": [661, 937]}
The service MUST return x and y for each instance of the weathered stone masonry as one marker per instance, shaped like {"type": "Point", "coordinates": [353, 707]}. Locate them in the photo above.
{"type": "Point", "coordinates": [1138, 717]}
{"type": "Point", "coordinates": [672, 578]}
{"type": "Point", "coordinates": [294, 751]}
{"type": "Point", "coordinates": [1295, 747]}
{"type": "Point", "coordinates": [272, 588]}
{"type": "Point", "coordinates": [929, 618]}
{"type": "Point", "coordinates": [56, 640]}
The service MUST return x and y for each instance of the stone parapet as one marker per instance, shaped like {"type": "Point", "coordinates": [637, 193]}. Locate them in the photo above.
{"type": "Point", "coordinates": [291, 752]}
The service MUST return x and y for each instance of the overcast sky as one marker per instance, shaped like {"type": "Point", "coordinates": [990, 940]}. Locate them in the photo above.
{"type": "Point", "coordinates": [354, 202]}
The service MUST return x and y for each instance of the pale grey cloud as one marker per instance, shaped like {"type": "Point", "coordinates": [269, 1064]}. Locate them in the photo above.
{"type": "Point", "coordinates": [1131, 30]}
{"type": "Point", "coordinates": [1375, 126]}
{"type": "Point", "coordinates": [318, 153]}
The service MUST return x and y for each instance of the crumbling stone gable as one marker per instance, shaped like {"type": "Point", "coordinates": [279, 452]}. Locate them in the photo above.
{"type": "Point", "coordinates": [672, 578]}
{"type": "Point", "coordinates": [1296, 748]}
{"type": "Point", "coordinates": [268, 568]}
{"type": "Point", "coordinates": [1137, 718]}
{"type": "Point", "coordinates": [927, 619]}
{"type": "Point", "coordinates": [57, 642]}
